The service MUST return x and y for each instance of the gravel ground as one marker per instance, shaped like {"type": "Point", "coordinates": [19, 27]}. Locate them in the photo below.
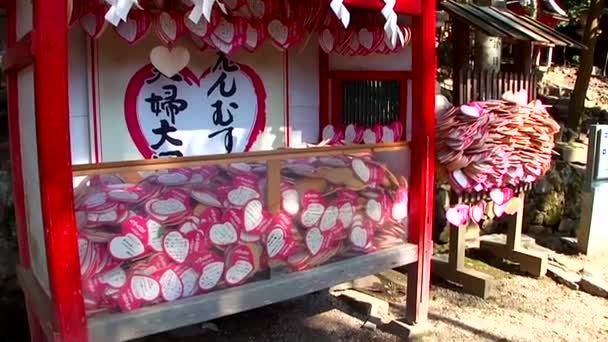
{"type": "Point", "coordinates": [522, 309]}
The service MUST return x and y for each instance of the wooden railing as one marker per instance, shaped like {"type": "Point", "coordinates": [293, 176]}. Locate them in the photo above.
{"type": "Point", "coordinates": [481, 85]}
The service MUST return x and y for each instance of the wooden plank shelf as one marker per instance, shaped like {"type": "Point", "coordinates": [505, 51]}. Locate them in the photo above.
{"type": "Point", "coordinates": [224, 159]}
{"type": "Point", "coordinates": [168, 316]}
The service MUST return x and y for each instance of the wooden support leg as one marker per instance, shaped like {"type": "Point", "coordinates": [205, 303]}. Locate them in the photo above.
{"type": "Point", "coordinates": [453, 270]}
{"type": "Point", "coordinates": [532, 262]}
{"type": "Point", "coordinates": [419, 285]}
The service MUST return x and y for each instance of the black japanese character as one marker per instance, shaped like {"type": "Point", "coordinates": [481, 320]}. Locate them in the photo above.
{"type": "Point", "coordinates": [228, 138]}
{"type": "Point", "coordinates": [218, 114]}
{"type": "Point", "coordinates": [168, 154]}
{"type": "Point", "coordinates": [156, 75]}
{"type": "Point", "coordinates": [164, 131]}
{"type": "Point", "coordinates": [170, 103]}
{"type": "Point", "coordinates": [226, 64]}
{"type": "Point", "coordinates": [221, 83]}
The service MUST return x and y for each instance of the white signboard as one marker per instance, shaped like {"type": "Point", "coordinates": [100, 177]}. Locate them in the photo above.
{"type": "Point", "coordinates": [221, 111]}
{"type": "Point", "coordinates": [602, 155]}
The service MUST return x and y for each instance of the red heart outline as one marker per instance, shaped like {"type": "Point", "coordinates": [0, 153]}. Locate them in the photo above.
{"type": "Point", "coordinates": [137, 82]}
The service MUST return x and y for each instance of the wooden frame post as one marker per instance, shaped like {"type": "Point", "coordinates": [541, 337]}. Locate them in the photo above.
{"type": "Point", "coordinates": [55, 169]}
{"type": "Point", "coordinates": [423, 156]}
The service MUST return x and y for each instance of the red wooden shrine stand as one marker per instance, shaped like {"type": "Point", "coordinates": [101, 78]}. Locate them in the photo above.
{"type": "Point", "coordinates": [42, 149]}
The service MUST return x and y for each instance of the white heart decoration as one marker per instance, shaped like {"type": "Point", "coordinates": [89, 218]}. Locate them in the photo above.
{"type": "Point", "coordinates": [145, 288]}
{"type": "Point", "coordinates": [225, 31]}
{"type": "Point", "coordinates": [241, 195]}
{"type": "Point", "coordinates": [353, 134]}
{"type": "Point", "coordinates": [314, 241]}
{"type": "Point", "coordinates": [328, 133]}
{"type": "Point", "coordinates": [155, 234]}
{"type": "Point", "coordinates": [171, 286]}
{"type": "Point", "coordinates": [373, 210]}
{"type": "Point", "coordinates": [95, 200]}
{"type": "Point", "coordinates": [399, 211]}
{"type": "Point", "coordinates": [275, 242]}
{"type": "Point", "coordinates": [126, 247]}
{"type": "Point", "coordinates": [206, 199]}
{"type": "Point", "coordinates": [124, 195]}
{"type": "Point", "coordinates": [254, 36]}
{"type": "Point", "coordinates": [312, 215]}
{"type": "Point", "coordinates": [167, 28]}
{"type": "Point", "coordinates": [211, 275]}
{"type": "Point", "coordinates": [93, 24]}
{"type": "Point", "coordinates": [189, 279]}
{"type": "Point", "coordinates": [239, 271]}
{"type": "Point", "coordinates": [329, 218]}
{"type": "Point", "coordinates": [172, 178]}
{"type": "Point", "coordinates": [458, 215]}
{"type": "Point", "coordinates": [346, 214]}
{"type": "Point", "coordinates": [388, 135]}
{"type": "Point", "coordinates": [169, 62]}
{"type": "Point", "coordinates": [116, 278]}
{"type": "Point", "coordinates": [176, 246]}
{"type": "Point", "coordinates": [358, 236]}
{"type": "Point", "coordinates": [253, 215]}
{"type": "Point", "coordinates": [327, 40]}
{"type": "Point", "coordinates": [189, 226]}
{"type": "Point", "coordinates": [291, 201]}
{"type": "Point", "coordinates": [361, 170]}
{"type": "Point", "coordinates": [369, 137]}
{"type": "Point", "coordinates": [167, 207]}
{"type": "Point", "coordinates": [103, 217]}
{"type": "Point", "coordinates": [278, 31]}
{"type": "Point", "coordinates": [366, 38]}
{"type": "Point", "coordinates": [257, 8]}
{"type": "Point", "coordinates": [127, 30]}
{"type": "Point", "coordinates": [223, 234]}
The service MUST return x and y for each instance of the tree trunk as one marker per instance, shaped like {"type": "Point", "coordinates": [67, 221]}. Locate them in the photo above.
{"type": "Point", "coordinates": [577, 101]}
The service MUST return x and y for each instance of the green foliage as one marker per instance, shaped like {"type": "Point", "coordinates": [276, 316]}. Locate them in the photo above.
{"type": "Point", "coordinates": [575, 7]}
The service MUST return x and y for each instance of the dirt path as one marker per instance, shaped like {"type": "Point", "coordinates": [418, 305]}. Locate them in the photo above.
{"type": "Point", "coordinates": [523, 309]}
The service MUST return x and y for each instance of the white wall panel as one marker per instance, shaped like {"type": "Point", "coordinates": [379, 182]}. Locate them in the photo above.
{"type": "Point", "coordinates": [31, 178]}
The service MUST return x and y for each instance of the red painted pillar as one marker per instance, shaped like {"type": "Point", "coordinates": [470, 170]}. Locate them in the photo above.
{"type": "Point", "coordinates": [423, 161]}
{"type": "Point", "coordinates": [55, 169]}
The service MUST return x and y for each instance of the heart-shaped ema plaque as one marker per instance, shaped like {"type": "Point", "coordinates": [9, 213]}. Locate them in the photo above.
{"type": "Point", "coordinates": [163, 113]}
{"type": "Point", "coordinates": [169, 62]}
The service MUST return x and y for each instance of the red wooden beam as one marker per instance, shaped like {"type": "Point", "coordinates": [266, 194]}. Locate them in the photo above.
{"type": "Point", "coordinates": [55, 168]}
{"type": "Point", "coordinates": [423, 160]}
{"type": "Point", "coordinates": [19, 55]}
{"type": "Point", "coordinates": [407, 7]}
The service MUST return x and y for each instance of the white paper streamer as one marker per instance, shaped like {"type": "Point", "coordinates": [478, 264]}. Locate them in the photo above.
{"type": "Point", "coordinates": [341, 11]}
{"type": "Point", "coordinates": [119, 10]}
{"type": "Point", "coordinates": [391, 28]}
{"type": "Point", "coordinates": [204, 8]}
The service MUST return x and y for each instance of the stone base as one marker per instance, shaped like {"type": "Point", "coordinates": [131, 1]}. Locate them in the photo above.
{"type": "Point", "coordinates": [407, 331]}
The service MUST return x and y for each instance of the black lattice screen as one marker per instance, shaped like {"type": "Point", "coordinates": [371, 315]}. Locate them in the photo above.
{"type": "Point", "coordinates": [369, 102]}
